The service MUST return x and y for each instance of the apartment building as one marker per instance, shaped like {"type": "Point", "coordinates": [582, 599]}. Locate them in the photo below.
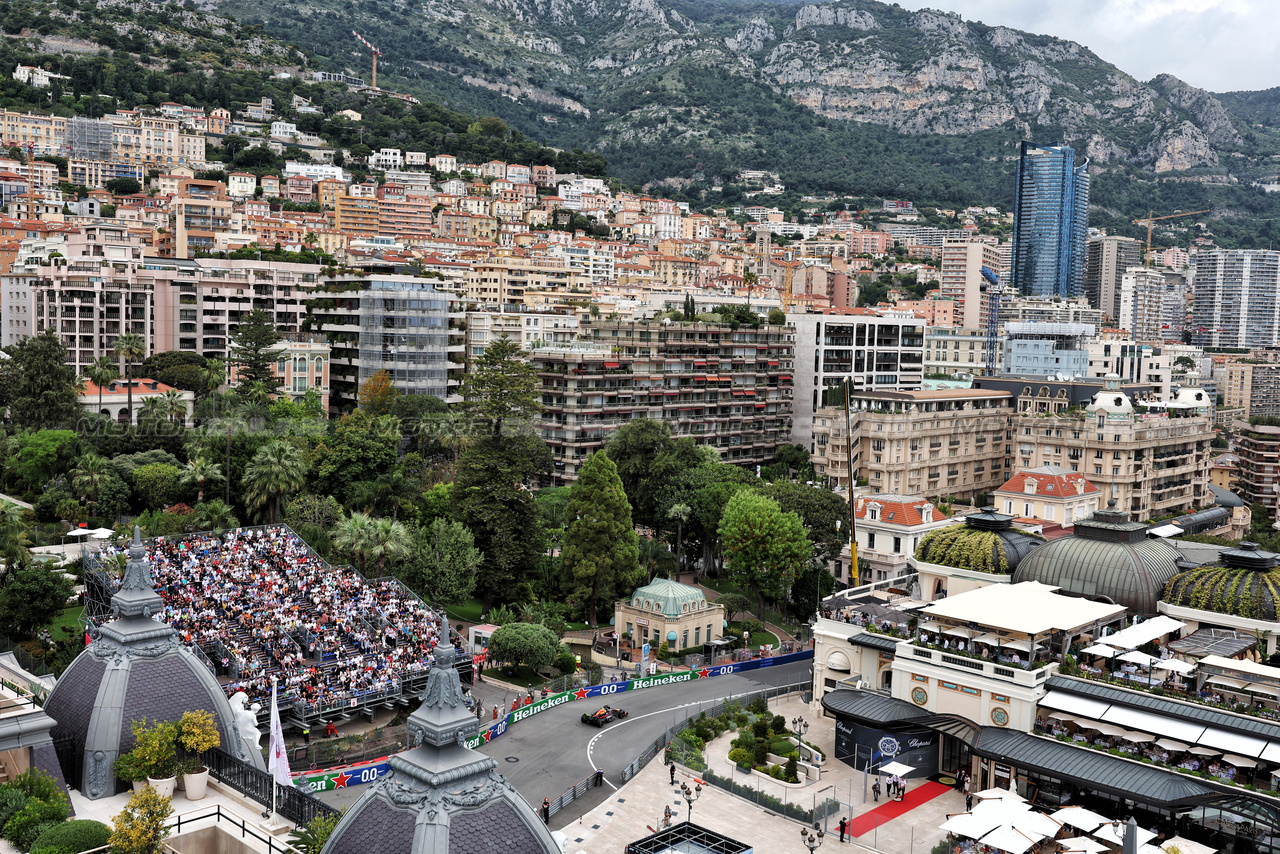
{"type": "Point", "coordinates": [406, 326]}
{"type": "Point", "coordinates": [1053, 494]}
{"type": "Point", "coordinates": [1133, 363]}
{"type": "Point", "coordinates": [1141, 304]}
{"type": "Point", "coordinates": [467, 226]}
{"type": "Point", "coordinates": [729, 389]}
{"type": "Point", "coordinates": [1152, 456]}
{"type": "Point", "coordinates": [870, 349]}
{"type": "Point", "coordinates": [200, 218]}
{"type": "Point", "coordinates": [105, 286]}
{"type": "Point", "coordinates": [957, 351]}
{"type": "Point", "coordinates": [889, 527]}
{"type": "Point", "coordinates": [1041, 310]}
{"type": "Point", "coordinates": [48, 134]}
{"type": "Point", "coordinates": [962, 279]}
{"type": "Point", "coordinates": [1107, 259]}
{"type": "Point", "coordinates": [1253, 386]}
{"type": "Point", "coordinates": [303, 364]}
{"type": "Point", "coordinates": [1047, 349]}
{"type": "Point", "coordinates": [530, 329]}
{"type": "Point", "coordinates": [1237, 298]}
{"type": "Point", "coordinates": [357, 216]}
{"type": "Point", "coordinates": [918, 443]}
{"type": "Point", "coordinates": [1258, 470]}
{"type": "Point", "coordinates": [513, 280]}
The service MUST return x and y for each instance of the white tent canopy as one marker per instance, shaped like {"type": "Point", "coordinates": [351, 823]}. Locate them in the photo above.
{"type": "Point", "coordinates": [970, 825]}
{"type": "Point", "coordinates": [1082, 844]}
{"type": "Point", "coordinates": [1080, 818]}
{"type": "Point", "coordinates": [1009, 839]}
{"type": "Point", "coordinates": [1099, 649]}
{"type": "Point", "coordinates": [999, 795]}
{"type": "Point", "coordinates": [1114, 831]}
{"type": "Point", "coordinates": [1186, 846]}
{"type": "Point", "coordinates": [1144, 632]}
{"type": "Point", "coordinates": [1177, 665]}
{"type": "Point", "coordinates": [78, 532]}
{"type": "Point", "coordinates": [1170, 744]}
{"type": "Point", "coordinates": [1140, 658]}
{"type": "Point", "coordinates": [896, 768]}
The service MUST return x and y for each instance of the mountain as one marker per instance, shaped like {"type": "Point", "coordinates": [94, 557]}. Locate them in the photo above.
{"type": "Point", "coordinates": [850, 97]}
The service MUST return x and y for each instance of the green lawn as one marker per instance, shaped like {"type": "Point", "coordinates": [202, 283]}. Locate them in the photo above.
{"type": "Point", "coordinates": [759, 637]}
{"type": "Point", "coordinates": [468, 611]}
{"type": "Point", "coordinates": [70, 617]}
{"type": "Point", "coordinates": [525, 676]}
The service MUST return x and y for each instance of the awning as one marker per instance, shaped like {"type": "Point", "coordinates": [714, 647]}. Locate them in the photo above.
{"type": "Point", "coordinates": [1061, 716]}
{"type": "Point", "coordinates": [611, 364]}
{"type": "Point", "coordinates": [1099, 649]}
{"type": "Point", "coordinates": [1271, 753]}
{"type": "Point", "coordinates": [1009, 839]}
{"type": "Point", "coordinates": [1020, 645]}
{"type": "Point", "coordinates": [1114, 833]}
{"type": "Point", "coordinates": [1170, 744]}
{"type": "Point", "coordinates": [1259, 688]}
{"type": "Point", "coordinates": [1139, 658]}
{"type": "Point", "coordinates": [1165, 531]}
{"type": "Point", "coordinates": [1144, 632]}
{"type": "Point", "coordinates": [1239, 761]}
{"type": "Point", "coordinates": [957, 632]}
{"type": "Point", "coordinates": [1201, 750]}
{"type": "Point", "coordinates": [1079, 818]}
{"type": "Point", "coordinates": [1108, 729]}
{"type": "Point", "coordinates": [1081, 844]}
{"type": "Point", "coordinates": [1138, 738]}
{"type": "Point", "coordinates": [1177, 665]}
{"type": "Point", "coordinates": [784, 376]}
{"type": "Point", "coordinates": [1245, 745]}
{"type": "Point", "coordinates": [1075, 704]}
{"type": "Point", "coordinates": [1132, 718]}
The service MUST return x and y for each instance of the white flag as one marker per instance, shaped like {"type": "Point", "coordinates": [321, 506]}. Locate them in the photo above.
{"type": "Point", "coordinates": [278, 761]}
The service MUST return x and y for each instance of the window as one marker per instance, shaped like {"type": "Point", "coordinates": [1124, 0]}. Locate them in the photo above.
{"type": "Point", "coordinates": [897, 545]}
{"type": "Point", "coordinates": [871, 540]}
{"type": "Point", "coordinates": [684, 641]}
{"type": "Point", "coordinates": [697, 636]}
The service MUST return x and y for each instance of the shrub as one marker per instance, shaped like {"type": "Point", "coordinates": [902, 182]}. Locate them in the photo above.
{"type": "Point", "coordinates": [72, 837]}
{"type": "Point", "coordinates": [740, 756]}
{"type": "Point", "coordinates": [775, 771]}
{"type": "Point", "coordinates": [760, 728]}
{"type": "Point", "coordinates": [778, 724]}
{"type": "Point", "coordinates": [310, 838]}
{"type": "Point", "coordinates": [758, 706]}
{"type": "Point", "coordinates": [35, 783]}
{"type": "Point", "coordinates": [11, 800]}
{"type": "Point", "coordinates": [791, 770]}
{"type": "Point", "coordinates": [28, 823]}
{"type": "Point", "coordinates": [761, 753]}
{"type": "Point", "coordinates": [141, 825]}
{"type": "Point", "coordinates": [197, 732]}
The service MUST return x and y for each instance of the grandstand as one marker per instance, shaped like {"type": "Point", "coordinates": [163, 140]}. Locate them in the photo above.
{"type": "Point", "coordinates": [257, 603]}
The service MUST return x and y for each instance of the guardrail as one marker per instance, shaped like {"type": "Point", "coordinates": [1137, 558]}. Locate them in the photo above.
{"type": "Point", "coordinates": [569, 795]}
{"type": "Point", "coordinates": [299, 807]}
{"type": "Point", "coordinates": [669, 734]}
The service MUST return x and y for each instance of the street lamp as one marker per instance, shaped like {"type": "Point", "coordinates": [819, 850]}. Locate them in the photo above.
{"type": "Point", "coordinates": [799, 726]}
{"type": "Point", "coordinates": [809, 840]}
{"type": "Point", "coordinates": [690, 795]}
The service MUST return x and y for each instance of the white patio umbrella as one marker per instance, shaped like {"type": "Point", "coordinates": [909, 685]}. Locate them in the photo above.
{"type": "Point", "coordinates": [1170, 744]}
{"type": "Point", "coordinates": [1201, 750]}
{"type": "Point", "coordinates": [1114, 831]}
{"type": "Point", "coordinates": [1186, 846]}
{"type": "Point", "coordinates": [1099, 649]}
{"type": "Point", "coordinates": [1060, 716]}
{"type": "Point", "coordinates": [1080, 818]}
{"type": "Point", "coordinates": [1239, 761]}
{"type": "Point", "coordinates": [970, 825]}
{"type": "Point", "coordinates": [999, 794]}
{"type": "Point", "coordinates": [1109, 729]}
{"type": "Point", "coordinates": [1009, 839]}
{"type": "Point", "coordinates": [1177, 665]}
{"type": "Point", "coordinates": [1138, 737]}
{"type": "Point", "coordinates": [1082, 844]}
{"type": "Point", "coordinates": [896, 768]}
{"type": "Point", "coordinates": [1038, 824]}
{"type": "Point", "coordinates": [78, 532]}
{"type": "Point", "coordinates": [1139, 658]}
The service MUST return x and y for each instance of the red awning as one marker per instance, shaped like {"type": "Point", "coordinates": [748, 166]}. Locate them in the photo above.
{"type": "Point", "coordinates": [784, 376]}
{"type": "Point", "coordinates": [669, 393]}
{"type": "Point", "coordinates": [737, 394]}
{"type": "Point", "coordinates": [773, 363]}
{"type": "Point", "coordinates": [759, 406]}
{"type": "Point", "coordinates": [611, 364]}
{"type": "Point", "coordinates": [751, 392]}
{"type": "Point", "coordinates": [701, 364]}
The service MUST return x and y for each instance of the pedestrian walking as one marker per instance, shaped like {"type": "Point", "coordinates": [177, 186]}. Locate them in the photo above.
{"type": "Point", "coordinates": [968, 802]}
{"type": "Point", "coordinates": [966, 784]}
{"type": "Point", "coordinates": [844, 825]}
{"type": "Point", "coordinates": [673, 773]}
{"type": "Point", "coordinates": [875, 790]}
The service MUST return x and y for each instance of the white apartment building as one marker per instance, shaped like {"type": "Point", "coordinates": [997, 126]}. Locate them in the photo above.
{"type": "Point", "coordinates": [871, 349]}
{"type": "Point", "coordinates": [16, 296]}
{"type": "Point", "coordinates": [953, 351]}
{"type": "Point", "coordinates": [1141, 309]}
{"type": "Point", "coordinates": [530, 329]}
{"type": "Point", "coordinates": [596, 262]}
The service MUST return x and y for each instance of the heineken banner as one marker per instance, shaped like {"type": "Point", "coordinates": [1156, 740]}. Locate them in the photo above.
{"type": "Point", "coordinates": [357, 774]}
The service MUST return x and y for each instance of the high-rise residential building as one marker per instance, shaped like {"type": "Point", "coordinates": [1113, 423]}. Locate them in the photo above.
{"type": "Point", "coordinates": [873, 349]}
{"type": "Point", "coordinates": [1254, 387]}
{"type": "Point", "coordinates": [1050, 221]}
{"type": "Point", "coordinates": [1237, 298]}
{"type": "Point", "coordinates": [1046, 349]}
{"type": "Point", "coordinates": [723, 387]}
{"type": "Point", "coordinates": [962, 280]}
{"type": "Point", "coordinates": [1141, 307]}
{"type": "Point", "coordinates": [1258, 474]}
{"type": "Point", "coordinates": [400, 324]}
{"type": "Point", "coordinates": [1106, 259]}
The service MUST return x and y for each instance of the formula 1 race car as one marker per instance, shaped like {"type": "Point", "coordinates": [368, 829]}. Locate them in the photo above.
{"type": "Point", "coordinates": [603, 716]}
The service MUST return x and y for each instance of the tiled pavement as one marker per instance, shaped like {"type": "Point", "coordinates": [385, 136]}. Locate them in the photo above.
{"type": "Point", "coordinates": [637, 807]}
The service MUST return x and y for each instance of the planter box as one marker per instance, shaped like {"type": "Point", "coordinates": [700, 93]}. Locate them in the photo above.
{"type": "Point", "coordinates": [760, 773]}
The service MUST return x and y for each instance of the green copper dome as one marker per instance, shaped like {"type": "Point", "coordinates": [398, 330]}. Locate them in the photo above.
{"type": "Point", "coordinates": [667, 597]}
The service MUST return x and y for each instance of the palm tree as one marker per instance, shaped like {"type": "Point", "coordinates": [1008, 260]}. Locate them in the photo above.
{"type": "Point", "coordinates": [15, 535]}
{"type": "Point", "coordinates": [90, 473]}
{"type": "Point", "coordinates": [214, 374]}
{"type": "Point", "coordinates": [214, 515]}
{"type": "Point", "coordinates": [101, 372]}
{"type": "Point", "coordinates": [129, 348]}
{"type": "Point", "coordinates": [385, 426]}
{"type": "Point", "coordinates": [152, 412]}
{"type": "Point", "coordinates": [200, 471]}
{"type": "Point", "coordinates": [254, 413]}
{"type": "Point", "coordinates": [388, 539]}
{"type": "Point", "coordinates": [175, 406]}
{"type": "Point", "coordinates": [352, 536]}
{"type": "Point", "coordinates": [275, 470]}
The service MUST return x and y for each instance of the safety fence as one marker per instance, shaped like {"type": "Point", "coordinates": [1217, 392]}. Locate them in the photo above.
{"type": "Point", "coordinates": [553, 805]}
{"type": "Point", "coordinates": [715, 709]}
{"type": "Point", "coordinates": [295, 805]}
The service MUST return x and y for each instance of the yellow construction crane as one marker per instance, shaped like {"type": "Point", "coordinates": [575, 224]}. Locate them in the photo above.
{"type": "Point", "coordinates": [1153, 219]}
{"type": "Point", "coordinates": [376, 53]}
{"type": "Point", "coordinates": [788, 277]}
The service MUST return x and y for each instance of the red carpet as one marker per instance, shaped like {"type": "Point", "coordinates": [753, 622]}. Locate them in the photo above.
{"type": "Point", "coordinates": [887, 812]}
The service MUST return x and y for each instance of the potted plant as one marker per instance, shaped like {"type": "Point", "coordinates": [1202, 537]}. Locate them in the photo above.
{"type": "Point", "coordinates": [130, 768]}
{"type": "Point", "coordinates": [197, 733]}
{"type": "Point", "coordinates": [156, 748]}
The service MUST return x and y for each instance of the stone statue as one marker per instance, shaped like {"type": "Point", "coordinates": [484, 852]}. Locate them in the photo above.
{"type": "Point", "coordinates": [246, 723]}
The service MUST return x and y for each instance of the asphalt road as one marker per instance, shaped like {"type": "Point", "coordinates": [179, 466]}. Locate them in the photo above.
{"type": "Point", "coordinates": [554, 750]}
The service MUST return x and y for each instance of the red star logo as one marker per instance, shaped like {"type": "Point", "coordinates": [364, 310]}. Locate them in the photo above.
{"type": "Point", "coordinates": [340, 781]}
{"type": "Point", "coordinates": [488, 735]}
{"type": "Point", "coordinates": [580, 694]}
{"type": "Point", "coordinates": [704, 673]}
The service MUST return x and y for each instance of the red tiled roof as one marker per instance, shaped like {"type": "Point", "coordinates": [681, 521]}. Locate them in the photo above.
{"type": "Point", "coordinates": [896, 509]}
{"type": "Point", "coordinates": [1052, 485]}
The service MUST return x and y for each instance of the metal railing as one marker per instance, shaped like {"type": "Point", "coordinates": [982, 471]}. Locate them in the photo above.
{"type": "Point", "coordinates": [572, 793]}
{"type": "Point", "coordinates": [299, 807]}
{"type": "Point", "coordinates": [175, 825]}
{"type": "Point", "coordinates": [670, 733]}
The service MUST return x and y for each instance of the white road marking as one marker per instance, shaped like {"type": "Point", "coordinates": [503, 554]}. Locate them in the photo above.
{"type": "Point", "coordinates": [591, 744]}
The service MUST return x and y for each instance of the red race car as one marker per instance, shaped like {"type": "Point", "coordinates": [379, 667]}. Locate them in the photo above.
{"type": "Point", "coordinates": [603, 716]}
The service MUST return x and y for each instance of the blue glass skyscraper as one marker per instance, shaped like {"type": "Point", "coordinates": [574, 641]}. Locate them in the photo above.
{"type": "Point", "coordinates": [1050, 222]}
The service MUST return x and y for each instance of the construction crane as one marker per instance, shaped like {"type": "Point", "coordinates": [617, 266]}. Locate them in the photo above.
{"type": "Point", "coordinates": [1153, 219]}
{"type": "Point", "coordinates": [992, 290]}
{"type": "Point", "coordinates": [376, 53]}
{"type": "Point", "coordinates": [788, 278]}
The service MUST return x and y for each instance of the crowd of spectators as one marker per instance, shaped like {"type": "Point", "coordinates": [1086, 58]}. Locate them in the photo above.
{"type": "Point", "coordinates": [260, 603]}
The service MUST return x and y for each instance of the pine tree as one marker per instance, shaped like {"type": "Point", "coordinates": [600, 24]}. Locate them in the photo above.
{"type": "Point", "coordinates": [252, 353]}
{"type": "Point", "coordinates": [600, 547]}
{"type": "Point", "coordinates": [503, 386]}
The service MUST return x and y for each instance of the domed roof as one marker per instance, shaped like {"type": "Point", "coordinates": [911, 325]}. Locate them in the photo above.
{"type": "Point", "coordinates": [135, 669]}
{"type": "Point", "coordinates": [1107, 557]}
{"type": "Point", "coordinates": [440, 796]}
{"type": "Point", "coordinates": [668, 597]}
{"type": "Point", "coordinates": [986, 542]}
{"type": "Point", "coordinates": [1111, 399]}
{"type": "Point", "coordinates": [1244, 585]}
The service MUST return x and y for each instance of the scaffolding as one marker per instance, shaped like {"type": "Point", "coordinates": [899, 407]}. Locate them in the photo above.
{"type": "Point", "coordinates": [404, 330]}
